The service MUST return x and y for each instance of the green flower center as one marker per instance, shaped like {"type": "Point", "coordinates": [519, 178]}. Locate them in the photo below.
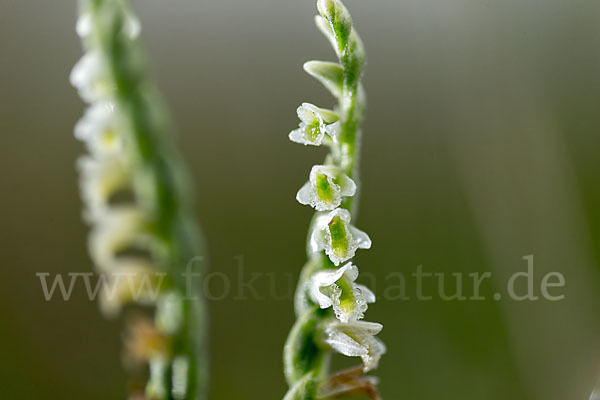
{"type": "Point", "coordinates": [313, 131]}
{"type": "Point", "coordinates": [324, 189]}
{"type": "Point", "coordinates": [347, 300]}
{"type": "Point", "coordinates": [339, 240]}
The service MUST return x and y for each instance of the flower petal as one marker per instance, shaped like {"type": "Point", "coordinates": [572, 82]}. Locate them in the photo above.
{"type": "Point", "coordinates": [324, 279]}
{"type": "Point", "coordinates": [98, 128]}
{"type": "Point", "coordinates": [356, 338]}
{"type": "Point", "coordinates": [90, 77]}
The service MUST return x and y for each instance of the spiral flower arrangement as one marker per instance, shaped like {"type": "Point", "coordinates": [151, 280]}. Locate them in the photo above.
{"type": "Point", "coordinates": [137, 203]}
{"type": "Point", "coordinates": [329, 304]}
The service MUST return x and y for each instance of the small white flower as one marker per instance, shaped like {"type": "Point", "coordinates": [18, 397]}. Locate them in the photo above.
{"type": "Point", "coordinates": [90, 77]}
{"type": "Point", "coordinates": [334, 234]}
{"type": "Point", "coordinates": [325, 188]}
{"type": "Point", "coordinates": [356, 339]}
{"type": "Point", "coordinates": [100, 179]}
{"type": "Point", "coordinates": [315, 124]}
{"type": "Point", "coordinates": [337, 288]}
{"type": "Point", "coordinates": [98, 128]}
{"type": "Point", "coordinates": [120, 229]}
{"type": "Point", "coordinates": [132, 280]}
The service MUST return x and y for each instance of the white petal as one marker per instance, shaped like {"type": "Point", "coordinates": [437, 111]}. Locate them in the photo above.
{"type": "Point", "coordinates": [99, 129]}
{"type": "Point", "coordinates": [305, 195]}
{"type": "Point", "coordinates": [322, 114]}
{"type": "Point", "coordinates": [376, 350]}
{"type": "Point", "coordinates": [89, 76]}
{"type": "Point", "coordinates": [362, 240]}
{"type": "Point", "coordinates": [364, 327]}
{"type": "Point", "coordinates": [299, 136]}
{"type": "Point", "coordinates": [356, 338]}
{"type": "Point", "coordinates": [306, 113]}
{"type": "Point", "coordinates": [325, 279]}
{"type": "Point", "coordinates": [368, 295]}
{"type": "Point", "coordinates": [345, 345]}
{"type": "Point", "coordinates": [84, 25]}
{"type": "Point", "coordinates": [348, 186]}
{"type": "Point", "coordinates": [334, 130]}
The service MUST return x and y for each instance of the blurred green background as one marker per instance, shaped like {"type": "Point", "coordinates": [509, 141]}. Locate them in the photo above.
{"type": "Point", "coordinates": [480, 147]}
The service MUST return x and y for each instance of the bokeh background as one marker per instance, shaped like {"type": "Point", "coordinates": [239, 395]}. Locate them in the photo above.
{"type": "Point", "coordinates": [481, 146]}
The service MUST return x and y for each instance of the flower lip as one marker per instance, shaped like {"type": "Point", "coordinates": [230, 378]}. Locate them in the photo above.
{"type": "Point", "coordinates": [356, 339]}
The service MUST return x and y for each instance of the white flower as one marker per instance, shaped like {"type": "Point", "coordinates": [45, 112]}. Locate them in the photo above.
{"type": "Point", "coordinates": [98, 128]}
{"type": "Point", "coordinates": [90, 77]}
{"type": "Point", "coordinates": [100, 179]}
{"type": "Point", "coordinates": [315, 124]}
{"type": "Point", "coordinates": [337, 288]}
{"type": "Point", "coordinates": [131, 280]}
{"type": "Point", "coordinates": [334, 234]}
{"type": "Point", "coordinates": [325, 188]}
{"type": "Point", "coordinates": [121, 229]}
{"type": "Point", "coordinates": [356, 339]}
